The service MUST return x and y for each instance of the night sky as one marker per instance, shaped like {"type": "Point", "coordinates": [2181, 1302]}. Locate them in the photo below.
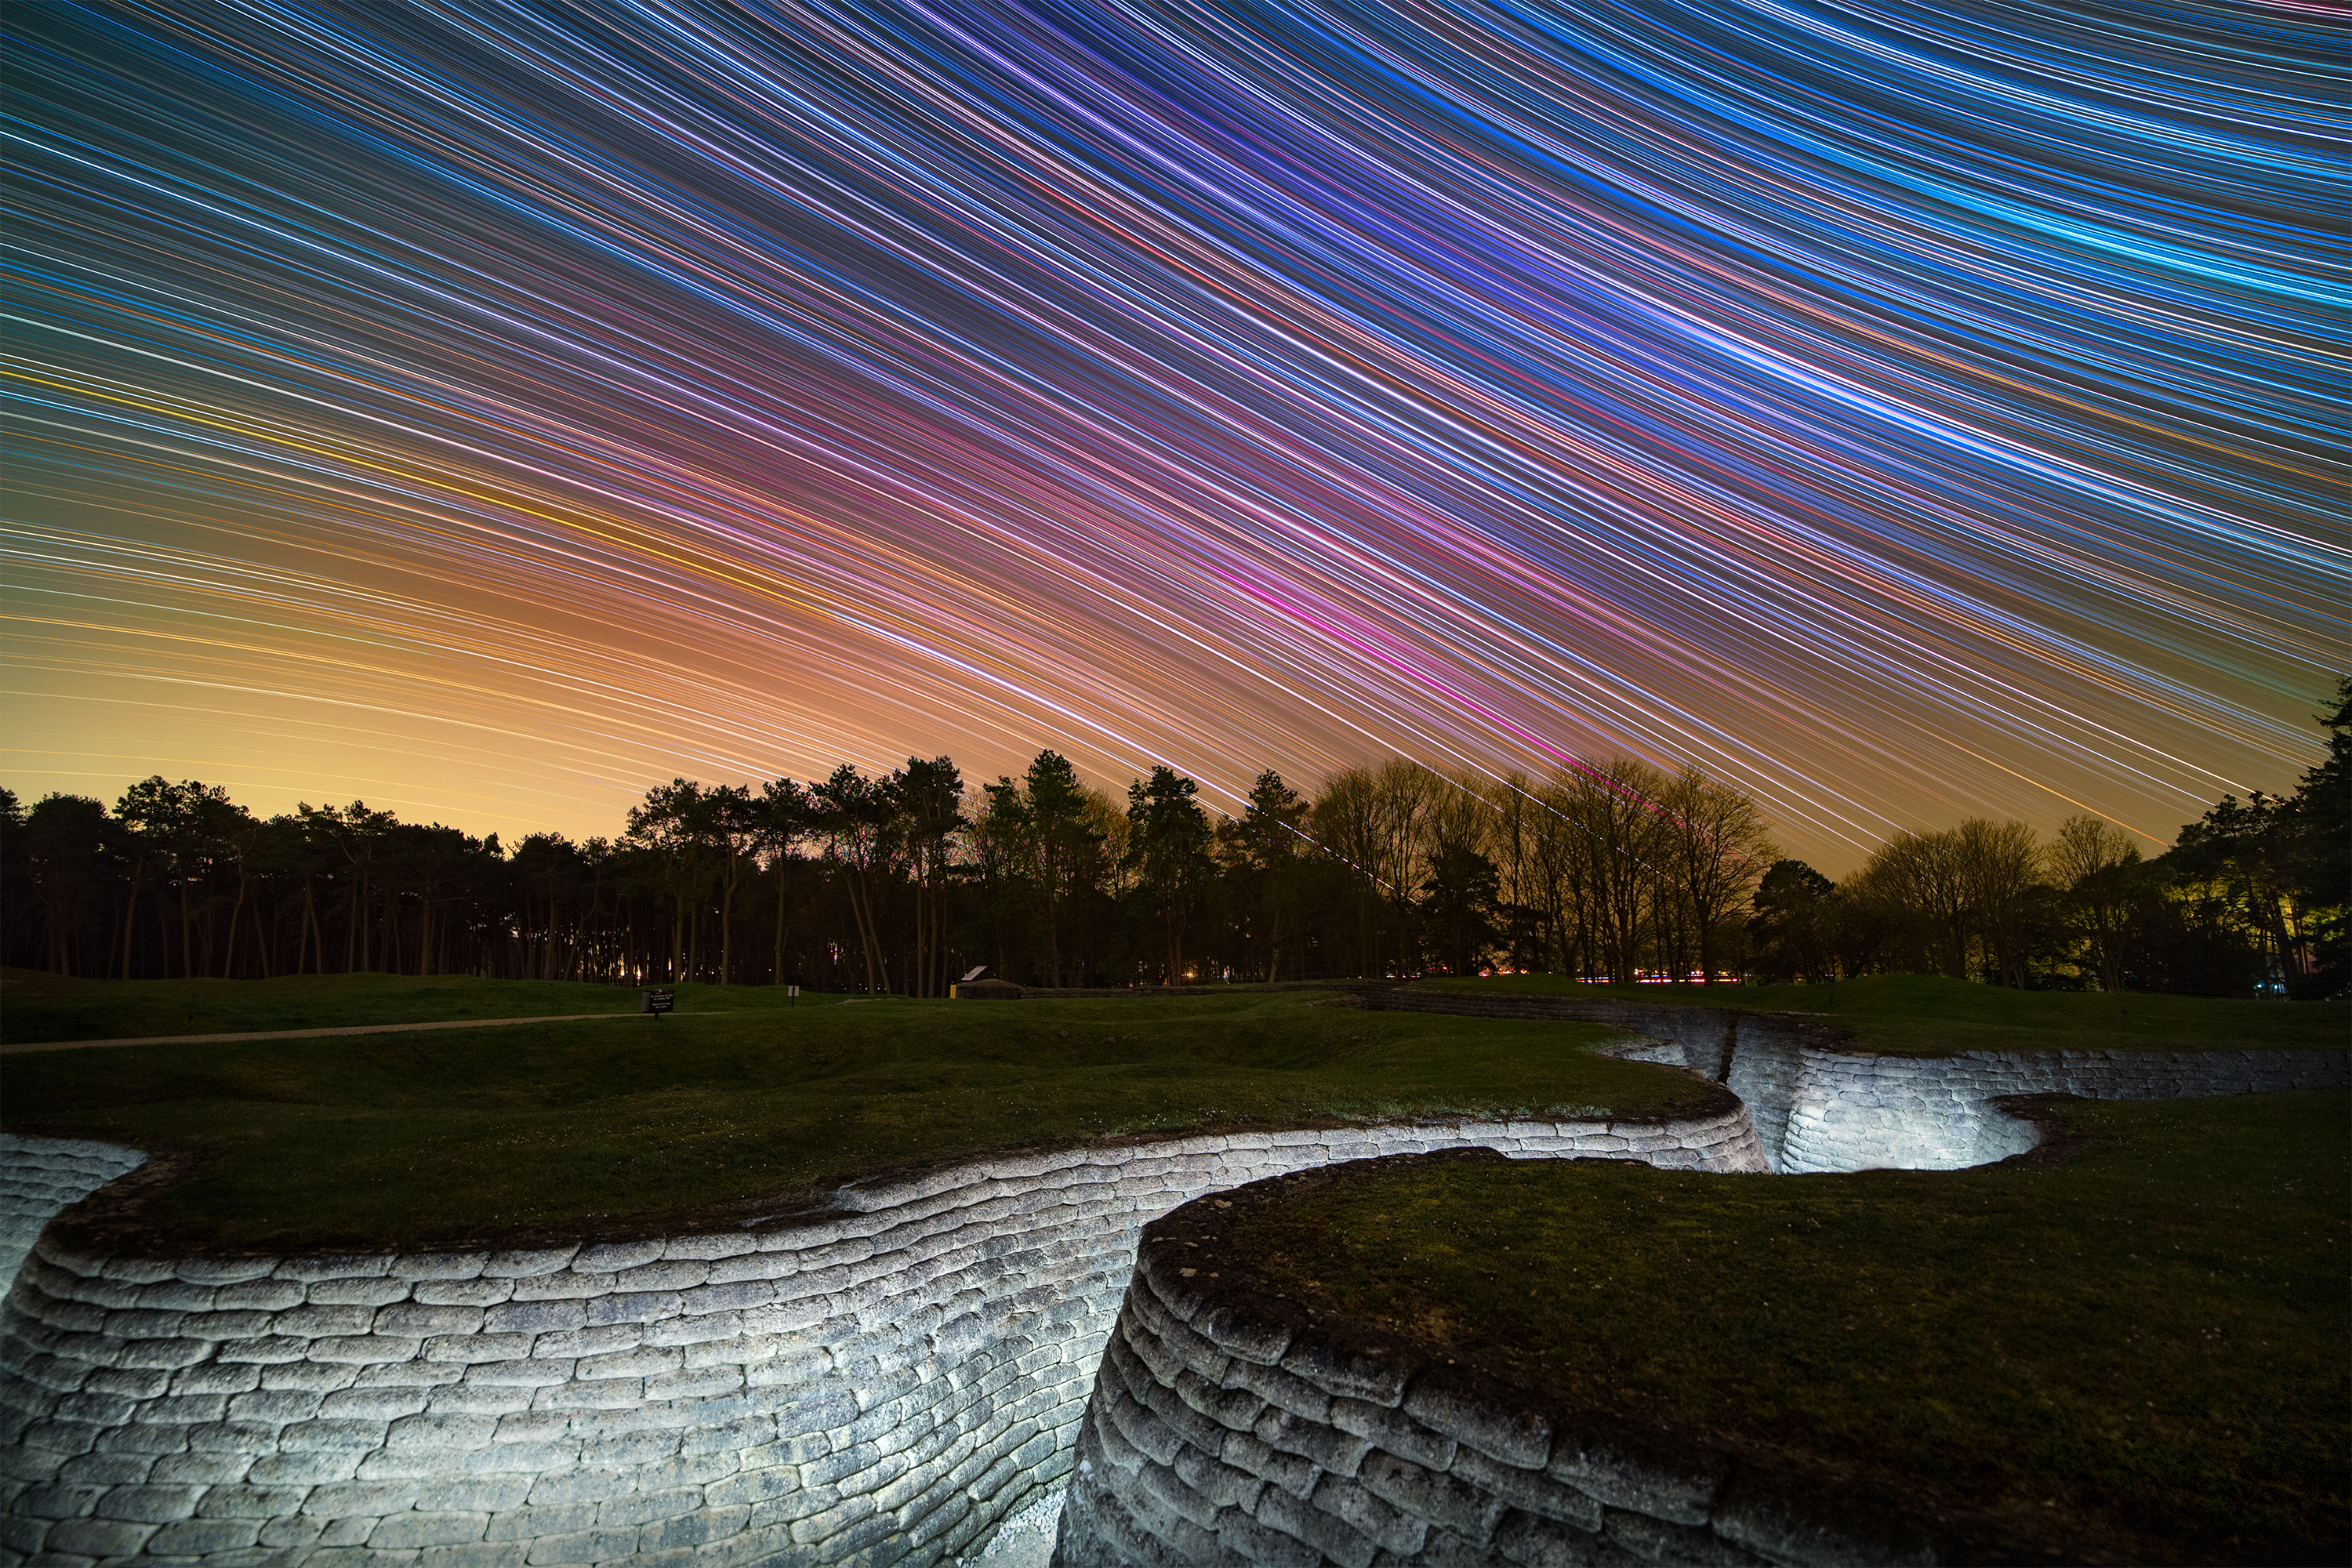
{"type": "Point", "coordinates": [1902, 412]}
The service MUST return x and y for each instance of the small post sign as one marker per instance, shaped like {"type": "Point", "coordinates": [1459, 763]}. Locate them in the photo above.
{"type": "Point", "coordinates": [660, 1000]}
{"type": "Point", "coordinates": [793, 999]}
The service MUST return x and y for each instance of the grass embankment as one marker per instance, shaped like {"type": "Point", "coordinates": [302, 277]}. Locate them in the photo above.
{"type": "Point", "coordinates": [36, 1007]}
{"type": "Point", "coordinates": [2140, 1346]}
{"type": "Point", "coordinates": [427, 1138]}
{"type": "Point", "coordinates": [1929, 1015]}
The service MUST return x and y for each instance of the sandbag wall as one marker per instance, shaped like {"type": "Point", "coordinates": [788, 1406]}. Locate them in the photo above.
{"type": "Point", "coordinates": [1230, 1426]}
{"type": "Point", "coordinates": [1817, 1108]}
{"type": "Point", "coordinates": [884, 1386]}
{"type": "Point", "coordinates": [1819, 1102]}
{"type": "Point", "coordinates": [38, 1177]}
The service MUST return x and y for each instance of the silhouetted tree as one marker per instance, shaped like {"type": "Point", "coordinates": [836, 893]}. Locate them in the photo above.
{"type": "Point", "coordinates": [2095, 865]}
{"type": "Point", "coordinates": [1794, 930]}
{"type": "Point", "coordinates": [1459, 901]}
{"type": "Point", "coordinates": [68, 842]}
{"type": "Point", "coordinates": [2240, 864]}
{"type": "Point", "coordinates": [1716, 847]}
{"type": "Point", "coordinates": [1168, 853]}
{"type": "Point", "coordinates": [1263, 851]}
{"type": "Point", "coordinates": [787, 815]}
{"type": "Point", "coordinates": [930, 796]}
{"type": "Point", "coordinates": [16, 895]}
{"type": "Point", "coordinates": [858, 821]}
{"type": "Point", "coordinates": [2324, 809]}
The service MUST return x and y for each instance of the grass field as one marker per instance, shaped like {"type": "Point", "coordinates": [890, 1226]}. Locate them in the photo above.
{"type": "Point", "coordinates": [1926, 1014]}
{"type": "Point", "coordinates": [429, 1137]}
{"type": "Point", "coordinates": [2140, 1342]}
{"type": "Point", "coordinates": [38, 1007]}
{"type": "Point", "coordinates": [2140, 1346]}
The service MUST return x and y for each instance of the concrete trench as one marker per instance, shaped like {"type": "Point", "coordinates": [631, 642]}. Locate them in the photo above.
{"type": "Point", "coordinates": [891, 1384]}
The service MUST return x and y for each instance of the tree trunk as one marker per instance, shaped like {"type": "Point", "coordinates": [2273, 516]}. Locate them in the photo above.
{"type": "Point", "coordinates": [919, 981]}
{"type": "Point", "coordinates": [861, 908]}
{"type": "Point", "coordinates": [726, 923]}
{"type": "Point", "coordinates": [779, 871]}
{"type": "Point", "coordinates": [131, 910]}
{"type": "Point", "coordinates": [228, 958]}
{"type": "Point", "coordinates": [1053, 937]}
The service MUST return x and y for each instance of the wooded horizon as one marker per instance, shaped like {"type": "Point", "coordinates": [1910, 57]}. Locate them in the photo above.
{"type": "Point", "coordinates": [1613, 870]}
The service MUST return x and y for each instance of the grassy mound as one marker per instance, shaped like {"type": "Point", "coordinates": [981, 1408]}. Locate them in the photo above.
{"type": "Point", "coordinates": [2138, 1346]}
{"type": "Point", "coordinates": [1928, 1014]}
{"type": "Point", "coordinates": [428, 1138]}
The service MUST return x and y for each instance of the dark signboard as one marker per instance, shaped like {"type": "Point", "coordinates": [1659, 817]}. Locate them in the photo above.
{"type": "Point", "coordinates": [661, 1001]}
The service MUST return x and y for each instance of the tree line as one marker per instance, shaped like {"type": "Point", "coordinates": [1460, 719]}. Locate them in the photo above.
{"type": "Point", "coordinates": [899, 882]}
{"type": "Point", "coordinates": [2252, 898]}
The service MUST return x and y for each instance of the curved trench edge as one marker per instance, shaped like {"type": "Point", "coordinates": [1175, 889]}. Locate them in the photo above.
{"type": "Point", "coordinates": [886, 1384]}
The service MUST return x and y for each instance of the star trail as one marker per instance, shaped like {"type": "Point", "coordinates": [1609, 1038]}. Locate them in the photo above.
{"type": "Point", "coordinates": [1899, 410]}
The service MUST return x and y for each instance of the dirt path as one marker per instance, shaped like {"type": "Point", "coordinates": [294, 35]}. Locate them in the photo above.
{"type": "Point", "coordinates": [10, 1050]}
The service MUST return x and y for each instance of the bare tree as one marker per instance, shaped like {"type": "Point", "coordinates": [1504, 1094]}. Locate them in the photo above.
{"type": "Point", "coordinates": [1613, 852]}
{"type": "Point", "coordinates": [1972, 886]}
{"type": "Point", "coordinates": [1346, 824]}
{"type": "Point", "coordinates": [2091, 861]}
{"type": "Point", "coordinates": [1406, 798]}
{"type": "Point", "coordinates": [1921, 873]}
{"type": "Point", "coordinates": [1715, 840]}
{"type": "Point", "coordinates": [1515, 831]}
{"type": "Point", "coordinates": [1376, 823]}
{"type": "Point", "coordinates": [1997, 864]}
{"type": "Point", "coordinates": [1552, 878]}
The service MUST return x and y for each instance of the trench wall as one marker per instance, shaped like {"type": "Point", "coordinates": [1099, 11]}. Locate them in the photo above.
{"type": "Point", "coordinates": [1820, 1109]}
{"type": "Point", "coordinates": [38, 1177]}
{"type": "Point", "coordinates": [1818, 1103]}
{"type": "Point", "coordinates": [1226, 1428]}
{"type": "Point", "coordinates": [884, 1386]}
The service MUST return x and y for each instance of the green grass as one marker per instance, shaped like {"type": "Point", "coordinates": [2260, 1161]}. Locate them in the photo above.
{"type": "Point", "coordinates": [38, 1007]}
{"type": "Point", "coordinates": [2143, 1342]}
{"type": "Point", "coordinates": [427, 1138]}
{"type": "Point", "coordinates": [1927, 1015]}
